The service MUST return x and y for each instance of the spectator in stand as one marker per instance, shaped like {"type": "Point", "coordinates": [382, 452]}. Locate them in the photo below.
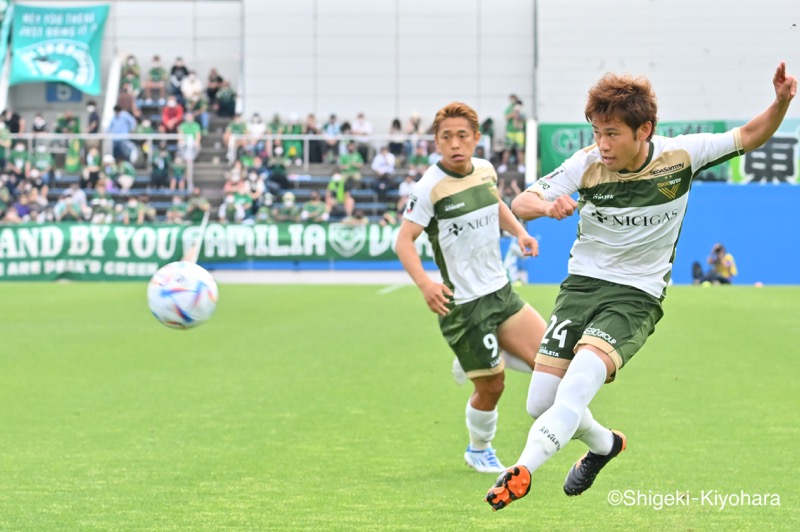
{"type": "Point", "coordinates": [225, 103]}
{"type": "Point", "coordinates": [338, 193]}
{"type": "Point", "coordinates": [176, 213]}
{"type": "Point", "coordinates": [14, 122]}
{"type": "Point", "coordinates": [132, 84]}
{"type": "Point", "coordinates": [414, 129]}
{"type": "Point", "coordinates": [122, 124]}
{"type": "Point", "coordinates": [384, 166]}
{"type": "Point", "coordinates": [233, 181]}
{"type": "Point", "coordinates": [191, 137]}
{"type": "Point", "coordinates": [362, 131]}
{"type": "Point", "coordinates": [145, 212]}
{"type": "Point", "coordinates": [178, 180]}
{"type": "Point", "coordinates": [350, 163]}
{"type": "Point", "coordinates": [39, 124]}
{"type": "Point", "coordinates": [42, 161]}
{"type": "Point", "coordinates": [293, 148]}
{"type": "Point", "coordinates": [312, 127]}
{"type": "Point", "coordinates": [397, 142]}
{"type": "Point", "coordinates": [389, 217]}
{"type": "Point", "coordinates": [5, 146]}
{"type": "Point", "coordinates": [264, 212]}
{"type": "Point", "coordinates": [404, 191]}
{"type": "Point", "coordinates": [277, 179]}
{"type": "Point", "coordinates": [130, 212]}
{"type": "Point", "coordinates": [67, 123]}
{"type": "Point", "coordinates": [91, 169]}
{"type": "Point", "coordinates": [197, 206]}
{"type": "Point", "coordinates": [176, 75]}
{"type": "Point", "coordinates": [191, 87]}
{"type": "Point", "coordinates": [131, 72]}
{"type": "Point", "coordinates": [37, 182]}
{"type": "Point", "coordinates": [19, 165]}
{"type": "Point", "coordinates": [230, 211]}
{"type": "Point", "coordinates": [346, 131]}
{"type": "Point", "coordinates": [126, 99]}
{"type": "Point", "coordinates": [256, 129]}
{"type": "Point", "coordinates": [160, 167]}
{"type": "Point", "coordinates": [358, 218]}
{"type": "Point", "coordinates": [66, 210]}
{"type": "Point", "coordinates": [156, 81]}
{"type": "Point", "coordinates": [171, 116]}
{"type": "Point", "coordinates": [418, 162]}
{"type": "Point", "coordinates": [235, 136]}
{"type": "Point", "coordinates": [213, 84]}
{"type": "Point", "coordinates": [331, 130]}
{"type": "Point", "coordinates": [93, 122]}
{"type": "Point", "coordinates": [120, 171]}
{"type": "Point", "coordinates": [5, 200]}
{"type": "Point", "coordinates": [199, 108]}
{"type": "Point", "coordinates": [515, 135]}
{"type": "Point", "coordinates": [254, 187]}
{"type": "Point", "coordinates": [287, 211]}
{"type": "Point", "coordinates": [314, 210]}
{"type": "Point", "coordinates": [102, 205]}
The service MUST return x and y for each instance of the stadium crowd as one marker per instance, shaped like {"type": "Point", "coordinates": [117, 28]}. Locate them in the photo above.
{"type": "Point", "coordinates": [51, 180]}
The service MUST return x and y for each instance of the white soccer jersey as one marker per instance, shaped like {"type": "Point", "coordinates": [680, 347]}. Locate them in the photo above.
{"type": "Point", "coordinates": [461, 216]}
{"type": "Point", "coordinates": [630, 221]}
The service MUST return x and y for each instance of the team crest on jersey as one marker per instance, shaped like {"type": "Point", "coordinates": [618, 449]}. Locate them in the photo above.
{"type": "Point", "coordinates": [670, 188]}
{"type": "Point", "coordinates": [347, 240]}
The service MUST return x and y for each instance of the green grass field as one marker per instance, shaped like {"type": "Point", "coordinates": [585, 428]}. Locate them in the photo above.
{"type": "Point", "coordinates": [332, 408]}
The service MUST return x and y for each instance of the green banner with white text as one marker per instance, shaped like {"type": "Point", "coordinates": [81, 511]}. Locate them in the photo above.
{"type": "Point", "coordinates": [34, 252]}
{"type": "Point", "coordinates": [58, 44]}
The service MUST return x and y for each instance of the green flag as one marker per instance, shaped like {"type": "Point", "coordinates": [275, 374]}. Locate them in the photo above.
{"type": "Point", "coordinates": [58, 44]}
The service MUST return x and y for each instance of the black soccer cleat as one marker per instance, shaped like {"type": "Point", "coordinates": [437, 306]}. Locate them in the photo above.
{"type": "Point", "coordinates": [581, 477]}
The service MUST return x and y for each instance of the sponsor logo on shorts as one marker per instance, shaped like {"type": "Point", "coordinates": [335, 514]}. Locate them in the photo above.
{"type": "Point", "coordinates": [591, 331]}
{"type": "Point", "coordinates": [545, 351]}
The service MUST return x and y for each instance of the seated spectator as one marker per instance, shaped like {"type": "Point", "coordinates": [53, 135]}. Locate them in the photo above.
{"type": "Point", "coordinates": [126, 100]}
{"type": "Point", "coordinates": [176, 75]}
{"type": "Point", "coordinates": [331, 130]}
{"type": "Point", "coordinates": [264, 211]}
{"type": "Point", "coordinates": [277, 179]}
{"type": "Point", "coordinates": [131, 83]}
{"type": "Point", "coordinates": [176, 213]}
{"type": "Point", "coordinates": [235, 136]}
{"type": "Point", "coordinates": [418, 162]}
{"type": "Point", "coordinates": [67, 123]}
{"type": "Point", "coordinates": [414, 129]}
{"type": "Point", "coordinates": [129, 212]}
{"type": "Point", "coordinates": [256, 129]}
{"type": "Point", "coordinates": [65, 210]}
{"type": "Point", "coordinates": [362, 130]}
{"type": "Point", "coordinates": [131, 72]}
{"type": "Point", "coordinates": [358, 218]}
{"type": "Point", "coordinates": [350, 163]}
{"type": "Point", "coordinates": [191, 87]}
{"type": "Point", "coordinates": [160, 167]}
{"type": "Point", "coordinates": [314, 210]}
{"type": "Point", "coordinates": [293, 147]}
{"type": "Point", "coordinates": [338, 193]}
{"type": "Point", "coordinates": [312, 127]}
{"type": "Point", "coordinates": [39, 124]}
{"type": "Point", "coordinates": [197, 206]}
{"type": "Point", "coordinates": [388, 217]}
{"type": "Point", "coordinates": [91, 169]}
{"type": "Point", "coordinates": [397, 140]}
{"type": "Point", "coordinates": [122, 124]}
{"type": "Point", "coordinates": [384, 165]}
{"type": "Point", "coordinates": [102, 206]}
{"type": "Point", "coordinates": [14, 122]}
{"type": "Point", "coordinates": [199, 108]}
{"type": "Point", "coordinates": [213, 84]}
{"type": "Point", "coordinates": [254, 187]}
{"type": "Point", "coordinates": [190, 140]}
{"type": "Point", "coordinates": [404, 191]}
{"type": "Point", "coordinates": [225, 104]}
{"type": "Point", "coordinates": [18, 166]}
{"type": "Point", "coordinates": [5, 145]}
{"type": "Point", "coordinates": [156, 82]}
{"type": "Point", "coordinates": [230, 211]}
{"type": "Point", "coordinates": [178, 180]}
{"type": "Point", "coordinates": [287, 211]}
{"type": "Point", "coordinates": [171, 116]}
{"type": "Point", "coordinates": [145, 212]}
{"type": "Point", "coordinates": [93, 122]}
{"type": "Point", "coordinates": [6, 200]}
{"type": "Point", "coordinates": [233, 182]}
{"type": "Point", "coordinates": [120, 171]}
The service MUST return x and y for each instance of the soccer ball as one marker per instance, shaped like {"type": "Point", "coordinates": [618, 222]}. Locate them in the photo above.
{"type": "Point", "coordinates": [182, 295]}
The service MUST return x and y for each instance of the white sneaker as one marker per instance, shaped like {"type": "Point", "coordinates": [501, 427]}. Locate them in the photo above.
{"type": "Point", "coordinates": [458, 372]}
{"type": "Point", "coordinates": [502, 169]}
{"type": "Point", "coordinates": [484, 461]}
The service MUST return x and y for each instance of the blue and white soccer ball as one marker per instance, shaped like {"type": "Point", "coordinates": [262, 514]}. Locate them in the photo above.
{"type": "Point", "coordinates": [182, 295]}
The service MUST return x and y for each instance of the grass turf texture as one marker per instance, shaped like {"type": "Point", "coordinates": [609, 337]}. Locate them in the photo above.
{"type": "Point", "coordinates": [332, 408]}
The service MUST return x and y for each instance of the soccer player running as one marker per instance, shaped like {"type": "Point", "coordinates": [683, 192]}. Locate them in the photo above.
{"type": "Point", "coordinates": [633, 190]}
{"type": "Point", "coordinates": [457, 204]}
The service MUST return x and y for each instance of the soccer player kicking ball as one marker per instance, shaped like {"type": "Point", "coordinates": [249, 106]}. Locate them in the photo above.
{"type": "Point", "coordinates": [457, 204]}
{"type": "Point", "coordinates": [633, 189]}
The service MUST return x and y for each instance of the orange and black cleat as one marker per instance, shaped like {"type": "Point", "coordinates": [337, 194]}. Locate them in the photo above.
{"type": "Point", "coordinates": [514, 483]}
{"type": "Point", "coordinates": [581, 477]}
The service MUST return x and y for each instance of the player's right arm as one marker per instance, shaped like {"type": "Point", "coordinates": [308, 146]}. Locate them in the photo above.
{"type": "Point", "coordinates": [551, 196]}
{"type": "Point", "coordinates": [529, 206]}
{"type": "Point", "coordinates": [436, 294]}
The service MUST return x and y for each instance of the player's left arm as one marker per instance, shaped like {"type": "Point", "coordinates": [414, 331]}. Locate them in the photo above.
{"type": "Point", "coordinates": [508, 222]}
{"type": "Point", "coordinates": [761, 128]}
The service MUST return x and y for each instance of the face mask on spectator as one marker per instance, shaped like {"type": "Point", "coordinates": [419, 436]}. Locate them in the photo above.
{"type": "Point", "coordinates": [41, 148]}
{"type": "Point", "coordinates": [38, 121]}
{"type": "Point", "coordinates": [131, 61]}
{"type": "Point", "coordinates": [279, 151]}
{"type": "Point", "coordinates": [171, 103]}
{"type": "Point", "coordinates": [146, 123]}
{"type": "Point", "coordinates": [19, 147]}
{"type": "Point", "coordinates": [90, 108]}
{"type": "Point", "coordinates": [132, 203]}
{"type": "Point", "coordinates": [229, 200]}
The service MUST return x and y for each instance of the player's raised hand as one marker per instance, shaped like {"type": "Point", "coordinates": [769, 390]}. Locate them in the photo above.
{"type": "Point", "coordinates": [562, 207]}
{"type": "Point", "coordinates": [528, 245]}
{"type": "Point", "coordinates": [437, 296]}
{"type": "Point", "coordinates": [785, 85]}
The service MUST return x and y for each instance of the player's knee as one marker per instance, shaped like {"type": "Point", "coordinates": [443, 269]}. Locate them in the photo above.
{"type": "Point", "coordinates": [489, 388]}
{"type": "Point", "coordinates": [538, 404]}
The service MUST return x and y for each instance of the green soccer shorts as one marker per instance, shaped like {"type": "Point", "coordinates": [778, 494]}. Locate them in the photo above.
{"type": "Point", "coordinates": [471, 330]}
{"type": "Point", "coordinates": [612, 317]}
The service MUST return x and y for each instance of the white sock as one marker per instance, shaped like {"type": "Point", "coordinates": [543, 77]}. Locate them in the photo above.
{"type": "Point", "coordinates": [481, 426]}
{"type": "Point", "coordinates": [541, 396]}
{"type": "Point", "coordinates": [515, 363]}
{"type": "Point", "coordinates": [554, 428]}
